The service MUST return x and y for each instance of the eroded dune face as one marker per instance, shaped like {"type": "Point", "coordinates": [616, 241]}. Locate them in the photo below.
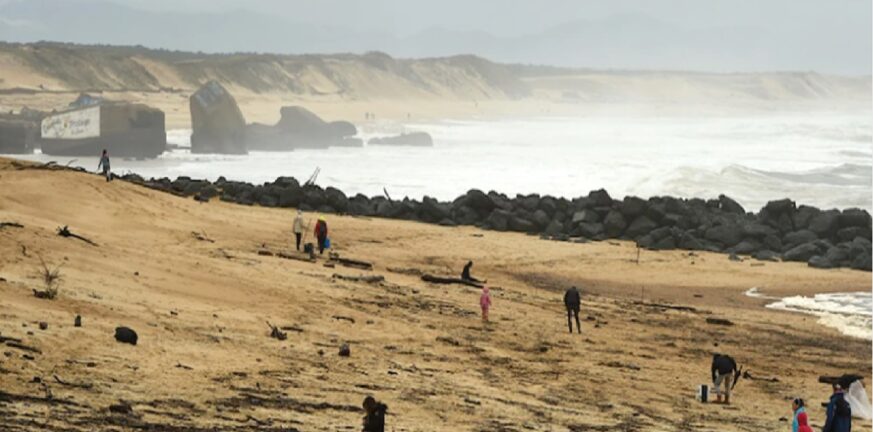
{"type": "Point", "coordinates": [191, 280]}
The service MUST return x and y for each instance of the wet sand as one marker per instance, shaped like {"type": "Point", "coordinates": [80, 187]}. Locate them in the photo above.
{"type": "Point", "coordinates": [205, 358]}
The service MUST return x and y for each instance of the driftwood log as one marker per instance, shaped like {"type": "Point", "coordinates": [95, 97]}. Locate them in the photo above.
{"type": "Point", "coordinates": [367, 279]}
{"type": "Point", "coordinates": [353, 263]}
{"type": "Point", "coordinates": [276, 333]}
{"type": "Point", "coordinates": [11, 225]}
{"type": "Point", "coordinates": [719, 321]}
{"type": "Point", "coordinates": [65, 232]}
{"type": "Point", "coordinates": [668, 306]}
{"type": "Point", "coordinates": [449, 280]}
{"type": "Point", "coordinates": [844, 381]}
{"type": "Point", "coordinates": [288, 256]}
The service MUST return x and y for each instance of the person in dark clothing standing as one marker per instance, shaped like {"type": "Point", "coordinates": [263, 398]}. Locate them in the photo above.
{"type": "Point", "coordinates": [374, 419]}
{"type": "Point", "coordinates": [321, 233]}
{"type": "Point", "coordinates": [104, 163]}
{"type": "Point", "coordinates": [465, 274]}
{"type": "Point", "coordinates": [723, 369]}
{"type": "Point", "coordinates": [839, 413]}
{"type": "Point", "coordinates": [573, 302]}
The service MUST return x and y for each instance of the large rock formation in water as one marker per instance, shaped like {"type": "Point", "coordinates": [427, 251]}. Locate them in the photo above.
{"type": "Point", "coordinates": [300, 128]}
{"type": "Point", "coordinates": [217, 123]}
{"type": "Point", "coordinates": [415, 139]}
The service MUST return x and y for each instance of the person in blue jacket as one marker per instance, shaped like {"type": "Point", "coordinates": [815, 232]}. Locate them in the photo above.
{"type": "Point", "coordinates": [839, 413]}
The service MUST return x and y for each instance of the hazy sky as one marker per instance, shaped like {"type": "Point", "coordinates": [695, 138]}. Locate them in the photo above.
{"type": "Point", "coordinates": [720, 35]}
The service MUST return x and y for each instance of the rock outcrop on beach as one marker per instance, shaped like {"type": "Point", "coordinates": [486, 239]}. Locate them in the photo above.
{"type": "Point", "coordinates": [300, 128]}
{"type": "Point", "coordinates": [780, 230]}
{"type": "Point", "coordinates": [217, 123]}
{"type": "Point", "coordinates": [415, 139]}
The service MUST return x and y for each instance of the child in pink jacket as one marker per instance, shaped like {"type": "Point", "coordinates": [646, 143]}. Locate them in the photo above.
{"type": "Point", "coordinates": [485, 302]}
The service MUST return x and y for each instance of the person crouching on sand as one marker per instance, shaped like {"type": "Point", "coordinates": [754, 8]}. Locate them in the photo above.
{"type": "Point", "coordinates": [104, 163]}
{"type": "Point", "coordinates": [321, 233]}
{"type": "Point", "coordinates": [485, 302]}
{"type": "Point", "coordinates": [298, 227]}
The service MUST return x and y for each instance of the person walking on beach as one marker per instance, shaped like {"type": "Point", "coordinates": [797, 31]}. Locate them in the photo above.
{"type": "Point", "coordinates": [104, 163]}
{"type": "Point", "coordinates": [723, 368]}
{"type": "Point", "coordinates": [797, 407]}
{"type": "Point", "coordinates": [839, 413]}
{"type": "Point", "coordinates": [298, 227]}
{"type": "Point", "coordinates": [374, 417]}
{"type": "Point", "coordinates": [465, 274]}
{"type": "Point", "coordinates": [485, 302]}
{"type": "Point", "coordinates": [573, 302]}
{"type": "Point", "coordinates": [321, 234]}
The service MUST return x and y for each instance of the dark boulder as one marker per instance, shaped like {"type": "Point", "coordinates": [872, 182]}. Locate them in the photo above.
{"type": "Point", "coordinates": [336, 199]}
{"type": "Point", "coordinates": [600, 198]}
{"type": "Point", "coordinates": [854, 217]}
{"type": "Point", "coordinates": [464, 215]}
{"type": "Point", "coordinates": [778, 207]}
{"type": "Point", "coordinates": [840, 255]}
{"type": "Point", "coordinates": [862, 262]}
{"type": "Point", "coordinates": [849, 233]}
{"type": "Point", "coordinates": [541, 219]}
{"type": "Point", "coordinates": [799, 237]}
{"type": "Point", "coordinates": [614, 224]}
{"type": "Point", "coordinates": [498, 220]}
{"type": "Point", "coordinates": [589, 229]}
{"type": "Point", "coordinates": [772, 242]}
{"type": "Point", "coordinates": [640, 226]}
{"type": "Point", "coordinates": [803, 216]}
{"type": "Point", "coordinates": [528, 202]}
{"type": "Point", "coordinates": [728, 205]}
{"type": "Point", "coordinates": [727, 235]}
{"type": "Point", "coordinates": [413, 139]}
{"type": "Point", "coordinates": [746, 247]}
{"type": "Point", "coordinates": [666, 243]}
{"type": "Point", "coordinates": [820, 262]}
{"type": "Point", "coordinates": [757, 230]}
{"type": "Point", "coordinates": [766, 255]}
{"type": "Point", "coordinates": [554, 228]}
{"type": "Point", "coordinates": [290, 196]}
{"type": "Point", "coordinates": [690, 242]}
{"type": "Point", "coordinates": [479, 201]}
{"type": "Point", "coordinates": [656, 211]}
{"type": "Point", "coordinates": [825, 224]}
{"type": "Point", "coordinates": [519, 224]}
{"type": "Point", "coordinates": [801, 252]}
{"type": "Point", "coordinates": [126, 335]}
{"type": "Point", "coordinates": [268, 201]}
{"type": "Point", "coordinates": [632, 207]}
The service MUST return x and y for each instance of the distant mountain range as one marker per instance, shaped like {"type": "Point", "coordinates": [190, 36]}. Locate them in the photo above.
{"type": "Point", "coordinates": [630, 41]}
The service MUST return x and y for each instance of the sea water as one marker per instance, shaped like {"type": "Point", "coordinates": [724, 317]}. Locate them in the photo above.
{"type": "Point", "coordinates": [822, 159]}
{"type": "Point", "coordinates": [850, 313]}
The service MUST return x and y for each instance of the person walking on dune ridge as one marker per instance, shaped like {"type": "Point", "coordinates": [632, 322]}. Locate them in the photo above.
{"type": "Point", "coordinates": [298, 227]}
{"type": "Point", "coordinates": [104, 163]}
{"type": "Point", "coordinates": [485, 302]}
{"type": "Point", "coordinates": [573, 302]}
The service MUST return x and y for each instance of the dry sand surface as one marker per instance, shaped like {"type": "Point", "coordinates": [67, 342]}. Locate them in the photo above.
{"type": "Point", "coordinates": [205, 358]}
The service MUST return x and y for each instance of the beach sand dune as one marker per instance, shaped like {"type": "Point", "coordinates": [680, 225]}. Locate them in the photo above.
{"type": "Point", "coordinates": [205, 358]}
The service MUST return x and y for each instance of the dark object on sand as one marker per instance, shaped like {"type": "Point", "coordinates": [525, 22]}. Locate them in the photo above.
{"type": "Point", "coordinates": [43, 325]}
{"type": "Point", "coordinates": [65, 232]}
{"type": "Point", "coordinates": [78, 321]}
{"type": "Point", "coordinates": [353, 263]}
{"type": "Point", "coordinates": [719, 321]}
{"type": "Point", "coordinates": [121, 408]}
{"type": "Point", "coordinates": [448, 280]}
{"type": "Point", "coordinates": [11, 225]}
{"type": "Point", "coordinates": [276, 333]}
{"type": "Point", "coordinates": [374, 418]}
{"type": "Point", "coordinates": [126, 335]}
{"type": "Point", "coordinates": [415, 139]}
{"type": "Point", "coordinates": [345, 350]}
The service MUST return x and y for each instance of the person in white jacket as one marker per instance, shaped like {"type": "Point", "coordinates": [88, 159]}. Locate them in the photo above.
{"type": "Point", "coordinates": [298, 227]}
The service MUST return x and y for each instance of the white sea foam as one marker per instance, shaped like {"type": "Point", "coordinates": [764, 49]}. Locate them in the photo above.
{"type": "Point", "coordinates": [818, 159]}
{"type": "Point", "coordinates": [849, 313]}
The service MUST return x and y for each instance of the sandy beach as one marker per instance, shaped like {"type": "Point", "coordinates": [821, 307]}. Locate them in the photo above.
{"type": "Point", "coordinates": [205, 358]}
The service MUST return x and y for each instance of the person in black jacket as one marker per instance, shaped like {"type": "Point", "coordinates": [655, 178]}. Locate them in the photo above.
{"type": "Point", "coordinates": [573, 303]}
{"type": "Point", "coordinates": [839, 412]}
{"type": "Point", "coordinates": [723, 369]}
{"type": "Point", "coordinates": [374, 419]}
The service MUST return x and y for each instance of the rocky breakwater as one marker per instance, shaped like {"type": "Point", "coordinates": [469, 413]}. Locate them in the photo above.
{"type": "Point", "coordinates": [781, 230]}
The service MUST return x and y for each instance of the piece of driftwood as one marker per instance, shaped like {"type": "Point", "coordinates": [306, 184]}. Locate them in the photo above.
{"type": "Point", "coordinates": [406, 271]}
{"type": "Point", "coordinates": [201, 236]}
{"type": "Point", "coordinates": [748, 375]}
{"type": "Point", "coordinates": [353, 263]}
{"type": "Point", "coordinates": [276, 333]}
{"type": "Point", "coordinates": [69, 384]}
{"type": "Point", "coordinates": [23, 347]}
{"type": "Point", "coordinates": [288, 256]}
{"type": "Point", "coordinates": [10, 225]}
{"type": "Point", "coordinates": [343, 318]}
{"type": "Point", "coordinates": [844, 380]}
{"type": "Point", "coordinates": [449, 280]}
{"type": "Point", "coordinates": [367, 279]}
{"type": "Point", "coordinates": [65, 232]}
{"type": "Point", "coordinates": [719, 321]}
{"type": "Point", "coordinates": [668, 306]}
